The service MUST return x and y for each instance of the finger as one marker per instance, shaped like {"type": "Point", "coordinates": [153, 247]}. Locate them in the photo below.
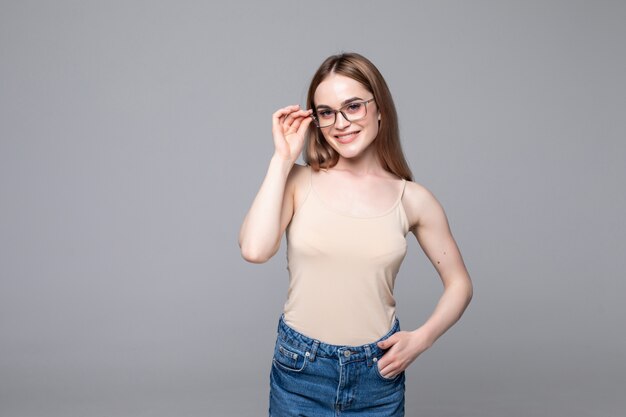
{"type": "Point", "coordinates": [298, 113]}
{"type": "Point", "coordinates": [389, 371]}
{"type": "Point", "coordinates": [385, 370]}
{"type": "Point", "coordinates": [304, 125]}
{"type": "Point", "coordinates": [303, 113]}
{"type": "Point", "coordinates": [278, 117]}
{"type": "Point", "coordinates": [385, 360]}
{"type": "Point", "coordinates": [284, 111]}
{"type": "Point", "coordinates": [293, 120]}
{"type": "Point", "coordinates": [288, 121]}
{"type": "Point", "coordinates": [298, 118]}
{"type": "Point", "coordinates": [387, 343]}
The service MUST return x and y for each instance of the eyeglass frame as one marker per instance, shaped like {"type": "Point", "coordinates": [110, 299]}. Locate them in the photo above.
{"type": "Point", "coordinates": [365, 102]}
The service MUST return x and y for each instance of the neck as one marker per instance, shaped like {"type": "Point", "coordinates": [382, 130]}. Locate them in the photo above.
{"type": "Point", "coordinates": [363, 164]}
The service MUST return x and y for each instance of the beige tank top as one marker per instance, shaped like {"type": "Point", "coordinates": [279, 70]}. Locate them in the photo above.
{"type": "Point", "coordinates": [342, 271]}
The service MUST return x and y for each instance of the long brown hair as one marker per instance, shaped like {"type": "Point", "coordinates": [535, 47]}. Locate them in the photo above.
{"type": "Point", "coordinates": [319, 154]}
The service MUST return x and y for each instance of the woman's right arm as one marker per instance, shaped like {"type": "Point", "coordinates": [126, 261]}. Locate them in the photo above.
{"type": "Point", "coordinates": [272, 208]}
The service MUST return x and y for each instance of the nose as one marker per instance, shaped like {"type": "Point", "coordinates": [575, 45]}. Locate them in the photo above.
{"type": "Point", "coordinates": [341, 121]}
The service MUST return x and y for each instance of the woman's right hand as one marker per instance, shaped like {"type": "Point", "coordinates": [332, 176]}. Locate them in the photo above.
{"type": "Point", "coordinates": [289, 126]}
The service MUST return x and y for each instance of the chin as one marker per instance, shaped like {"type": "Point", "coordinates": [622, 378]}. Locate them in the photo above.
{"type": "Point", "coordinates": [349, 154]}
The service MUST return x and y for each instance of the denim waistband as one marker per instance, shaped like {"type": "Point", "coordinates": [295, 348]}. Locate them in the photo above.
{"type": "Point", "coordinates": [368, 352]}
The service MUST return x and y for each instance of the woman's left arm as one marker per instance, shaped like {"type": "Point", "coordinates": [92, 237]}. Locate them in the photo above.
{"type": "Point", "coordinates": [430, 226]}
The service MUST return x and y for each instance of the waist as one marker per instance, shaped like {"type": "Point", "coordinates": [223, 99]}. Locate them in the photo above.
{"type": "Point", "coordinates": [318, 348]}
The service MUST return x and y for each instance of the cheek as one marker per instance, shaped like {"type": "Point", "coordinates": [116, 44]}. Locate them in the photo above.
{"type": "Point", "coordinates": [374, 128]}
{"type": "Point", "coordinates": [327, 137]}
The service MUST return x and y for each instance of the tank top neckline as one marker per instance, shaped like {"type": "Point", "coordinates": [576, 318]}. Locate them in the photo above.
{"type": "Point", "coordinates": [323, 203]}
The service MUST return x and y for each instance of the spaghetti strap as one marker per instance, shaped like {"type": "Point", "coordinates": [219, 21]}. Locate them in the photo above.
{"type": "Point", "coordinates": [403, 188]}
{"type": "Point", "coordinates": [306, 195]}
{"type": "Point", "coordinates": [310, 180]}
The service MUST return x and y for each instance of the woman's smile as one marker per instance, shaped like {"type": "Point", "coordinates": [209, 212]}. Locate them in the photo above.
{"type": "Point", "coordinates": [347, 137]}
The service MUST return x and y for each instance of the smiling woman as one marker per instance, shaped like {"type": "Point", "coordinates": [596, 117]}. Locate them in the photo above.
{"type": "Point", "coordinates": [346, 215]}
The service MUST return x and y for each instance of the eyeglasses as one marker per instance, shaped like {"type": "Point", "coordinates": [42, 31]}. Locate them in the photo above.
{"type": "Point", "coordinates": [352, 112]}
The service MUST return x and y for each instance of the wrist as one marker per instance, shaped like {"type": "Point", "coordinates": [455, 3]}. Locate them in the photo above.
{"type": "Point", "coordinates": [281, 164]}
{"type": "Point", "coordinates": [424, 337]}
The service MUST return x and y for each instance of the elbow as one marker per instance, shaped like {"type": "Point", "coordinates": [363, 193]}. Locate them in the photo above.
{"type": "Point", "coordinates": [463, 289]}
{"type": "Point", "coordinates": [470, 291]}
{"type": "Point", "coordinates": [255, 255]}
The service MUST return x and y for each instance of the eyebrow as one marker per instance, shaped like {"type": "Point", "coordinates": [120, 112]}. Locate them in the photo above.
{"type": "Point", "coordinates": [343, 103]}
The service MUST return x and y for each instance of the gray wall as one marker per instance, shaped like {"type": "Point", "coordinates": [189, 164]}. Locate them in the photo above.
{"type": "Point", "coordinates": [134, 136]}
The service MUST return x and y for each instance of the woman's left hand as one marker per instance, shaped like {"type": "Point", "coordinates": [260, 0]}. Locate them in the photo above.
{"type": "Point", "coordinates": [404, 348]}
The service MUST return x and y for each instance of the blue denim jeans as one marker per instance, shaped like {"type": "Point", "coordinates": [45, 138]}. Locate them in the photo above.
{"type": "Point", "coordinates": [314, 379]}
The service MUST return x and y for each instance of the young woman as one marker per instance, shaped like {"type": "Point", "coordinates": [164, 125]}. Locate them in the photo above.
{"type": "Point", "coordinates": [339, 348]}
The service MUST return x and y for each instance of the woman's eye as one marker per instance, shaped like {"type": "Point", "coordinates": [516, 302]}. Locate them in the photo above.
{"type": "Point", "coordinates": [325, 114]}
{"type": "Point", "coordinates": [354, 107]}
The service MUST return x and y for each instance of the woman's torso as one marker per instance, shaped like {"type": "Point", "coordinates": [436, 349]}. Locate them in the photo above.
{"type": "Point", "coordinates": [345, 244]}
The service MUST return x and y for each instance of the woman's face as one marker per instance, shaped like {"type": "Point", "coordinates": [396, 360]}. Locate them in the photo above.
{"type": "Point", "coordinates": [349, 139]}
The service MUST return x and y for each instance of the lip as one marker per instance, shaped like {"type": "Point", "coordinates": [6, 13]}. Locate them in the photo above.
{"type": "Point", "coordinates": [347, 137]}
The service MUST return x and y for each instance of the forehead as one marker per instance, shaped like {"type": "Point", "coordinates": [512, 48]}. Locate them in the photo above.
{"type": "Point", "coordinates": [337, 88]}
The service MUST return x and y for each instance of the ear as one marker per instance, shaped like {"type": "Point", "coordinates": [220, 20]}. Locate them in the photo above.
{"type": "Point", "coordinates": [378, 116]}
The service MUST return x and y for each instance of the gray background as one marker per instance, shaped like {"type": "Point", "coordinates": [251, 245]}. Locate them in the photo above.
{"type": "Point", "coordinates": [134, 136]}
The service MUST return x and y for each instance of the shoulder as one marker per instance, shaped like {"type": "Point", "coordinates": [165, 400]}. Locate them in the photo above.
{"type": "Point", "coordinates": [300, 169]}
{"type": "Point", "coordinates": [299, 174]}
{"type": "Point", "coordinates": [298, 180]}
{"type": "Point", "coordinates": [293, 193]}
{"type": "Point", "coordinates": [418, 202]}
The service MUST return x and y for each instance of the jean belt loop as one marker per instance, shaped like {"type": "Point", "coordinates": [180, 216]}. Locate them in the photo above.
{"type": "Point", "coordinates": [313, 351]}
{"type": "Point", "coordinates": [368, 355]}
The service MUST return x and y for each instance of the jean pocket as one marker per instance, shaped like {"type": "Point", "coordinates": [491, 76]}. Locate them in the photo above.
{"type": "Point", "coordinates": [288, 358]}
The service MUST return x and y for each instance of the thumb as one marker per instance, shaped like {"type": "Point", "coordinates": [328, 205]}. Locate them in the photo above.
{"type": "Point", "coordinates": [387, 343]}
